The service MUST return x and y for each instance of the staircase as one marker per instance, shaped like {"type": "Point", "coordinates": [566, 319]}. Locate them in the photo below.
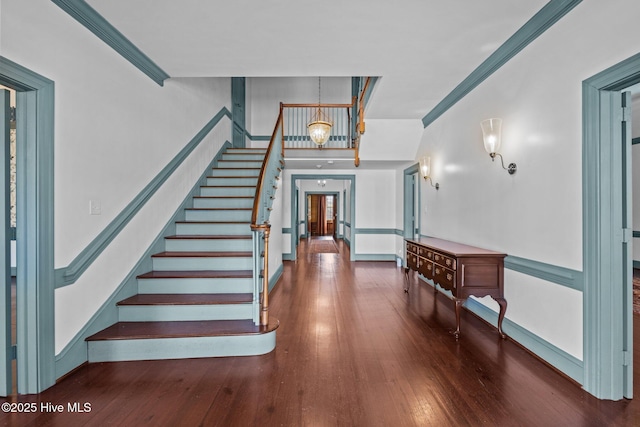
{"type": "Point", "coordinates": [198, 301]}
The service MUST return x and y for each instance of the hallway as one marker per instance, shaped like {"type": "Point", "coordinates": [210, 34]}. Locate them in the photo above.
{"type": "Point", "coordinates": [352, 350]}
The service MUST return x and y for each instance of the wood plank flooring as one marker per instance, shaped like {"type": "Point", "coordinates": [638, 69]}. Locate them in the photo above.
{"type": "Point", "coordinates": [352, 350]}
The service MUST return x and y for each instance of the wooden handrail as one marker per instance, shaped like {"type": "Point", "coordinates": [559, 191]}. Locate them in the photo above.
{"type": "Point", "coordinates": [317, 105]}
{"type": "Point", "coordinates": [261, 177]}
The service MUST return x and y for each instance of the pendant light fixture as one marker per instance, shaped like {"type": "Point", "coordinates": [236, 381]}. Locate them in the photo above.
{"type": "Point", "coordinates": [320, 126]}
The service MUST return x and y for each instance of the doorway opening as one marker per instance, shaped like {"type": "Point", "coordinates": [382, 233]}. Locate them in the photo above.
{"type": "Point", "coordinates": [342, 189]}
{"type": "Point", "coordinates": [411, 206]}
{"type": "Point", "coordinates": [34, 351]}
{"type": "Point", "coordinates": [607, 232]}
{"type": "Point", "coordinates": [322, 214]}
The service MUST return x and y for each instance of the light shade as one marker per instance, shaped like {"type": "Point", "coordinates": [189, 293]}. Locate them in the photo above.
{"type": "Point", "coordinates": [491, 134]}
{"type": "Point", "coordinates": [425, 167]}
{"type": "Point", "coordinates": [319, 131]}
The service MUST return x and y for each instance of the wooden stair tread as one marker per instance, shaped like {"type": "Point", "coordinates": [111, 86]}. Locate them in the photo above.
{"type": "Point", "coordinates": [199, 274]}
{"type": "Point", "coordinates": [187, 299]}
{"type": "Point", "coordinates": [209, 237]}
{"type": "Point", "coordinates": [182, 329]}
{"type": "Point", "coordinates": [201, 254]}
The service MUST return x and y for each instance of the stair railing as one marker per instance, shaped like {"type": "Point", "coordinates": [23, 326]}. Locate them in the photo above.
{"type": "Point", "coordinates": [296, 117]}
{"type": "Point", "coordinates": [260, 227]}
{"type": "Point", "coordinates": [347, 119]}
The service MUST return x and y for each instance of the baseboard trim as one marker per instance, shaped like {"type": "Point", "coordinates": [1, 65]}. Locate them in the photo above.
{"type": "Point", "coordinates": [556, 357]}
{"type": "Point", "coordinates": [375, 257]}
{"type": "Point", "coordinates": [549, 353]}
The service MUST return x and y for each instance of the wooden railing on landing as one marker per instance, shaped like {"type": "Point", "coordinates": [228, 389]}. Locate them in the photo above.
{"type": "Point", "coordinates": [348, 123]}
{"type": "Point", "coordinates": [265, 194]}
{"type": "Point", "coordinates": [297, 116]}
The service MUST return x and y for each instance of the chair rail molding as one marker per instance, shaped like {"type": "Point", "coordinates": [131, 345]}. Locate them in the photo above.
{"type": "Point", "coordinates": [68, 275]}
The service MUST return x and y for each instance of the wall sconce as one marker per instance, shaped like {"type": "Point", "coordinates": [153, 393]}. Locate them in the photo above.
{"type": "Point", "coordinates": [425, 171]}
{"type": "Point", "coordinates": [492, 133]}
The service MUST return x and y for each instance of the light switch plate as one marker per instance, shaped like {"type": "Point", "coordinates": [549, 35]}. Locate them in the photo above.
{"type": "Point", "coordinates": [95, 207]}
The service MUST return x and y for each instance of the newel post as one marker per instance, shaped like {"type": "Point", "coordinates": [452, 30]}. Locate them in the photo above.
{"type": "Point", "coordinates": [264, 314]}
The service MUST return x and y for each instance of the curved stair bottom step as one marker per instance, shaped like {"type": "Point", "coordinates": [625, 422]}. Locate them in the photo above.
{"type": "Point", "coordinates": [181, 348]}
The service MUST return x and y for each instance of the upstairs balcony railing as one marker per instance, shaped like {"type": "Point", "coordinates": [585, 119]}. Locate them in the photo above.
{"type": "Point", "coordinates": [347, 119]}
{"type": "Point", "coordinates": [296, 117]}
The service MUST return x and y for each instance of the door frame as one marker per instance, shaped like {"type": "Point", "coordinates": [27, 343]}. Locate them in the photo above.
{"type": "Point", "coordinates": [35, 248]}
{"type": "Point", "coordinates": [411, 222]}
{"type": "Point", "coordinates": [606, 331]}
{"type": "Point", "coordinates": [6, 346]}
{"type": "Point", "coordinates": [352, 203]}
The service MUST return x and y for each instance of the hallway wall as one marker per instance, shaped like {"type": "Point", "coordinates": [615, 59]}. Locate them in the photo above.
{"type": "Point", "coordinates": [535, 214]}
{"type": "Point", "coordinates": [115, 129]}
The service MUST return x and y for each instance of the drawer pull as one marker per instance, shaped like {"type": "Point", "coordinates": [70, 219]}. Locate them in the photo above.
{"type": "Point", "coordinates": [449, 277]}
{"type": "Point", "coordinates": [448, 262]}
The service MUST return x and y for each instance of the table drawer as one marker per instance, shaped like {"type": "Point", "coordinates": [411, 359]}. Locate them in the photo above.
{"type": "Point", "coordinates": [412, 248]}
{"type": "Point", "coordinates": [444, 277]}
{"type": "Point", "coordinates": [444, 261]}
{"type": "Point", "coordinates": [412, 261]}
{"type": "Point", "coordinates": [426, 269]}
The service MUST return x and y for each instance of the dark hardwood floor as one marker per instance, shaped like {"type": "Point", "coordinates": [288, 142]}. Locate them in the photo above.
{"type": "Point", "coordinates": [352, 350]}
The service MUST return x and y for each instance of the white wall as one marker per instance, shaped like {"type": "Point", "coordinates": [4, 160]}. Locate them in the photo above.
{"type": "Point", "coordinates": [536, 213]}
{"type": "Point", "coordinates": [115, 129]}
{"type": "Point", "coordinates": [390, 139]}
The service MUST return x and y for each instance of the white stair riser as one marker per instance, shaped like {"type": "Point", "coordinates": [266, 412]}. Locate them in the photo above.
{"type": "Point", "coordinates": [212, 229]}
{"type": "Point", "coordinates": [195, 286]}
{"type": "Point", "coordinates": [232, 181]}
{"type": "Point", "coordinates": [242, 164]}
{"type": "Point", "coordinates": [263, 150]}
{"type": "Point", "coordinates": [237, 156]}
{"type": "Point", "coordinates": [208, 245]}
{"type": "Point", "coordinates": [223, 202]}
{"type": "Point", "coordinates": [181, 348]}
{"type": "Point", "coordinates": [227, 191]}
{"type": "Point", "coordinates": [218, 215]}
{"type": "Point", "coordinates": [165, 313]}
{"type": "Point", "coordinates": [235, 172]}
{"type": "Point", "coordinates": [199, 264]}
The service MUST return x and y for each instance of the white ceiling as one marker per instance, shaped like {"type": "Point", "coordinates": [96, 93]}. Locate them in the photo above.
{"type": "Point", "coordinates": [421, 49]}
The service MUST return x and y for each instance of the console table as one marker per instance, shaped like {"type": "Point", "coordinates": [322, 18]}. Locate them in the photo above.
{"type": "Point", "coordinates": [463, 270]}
